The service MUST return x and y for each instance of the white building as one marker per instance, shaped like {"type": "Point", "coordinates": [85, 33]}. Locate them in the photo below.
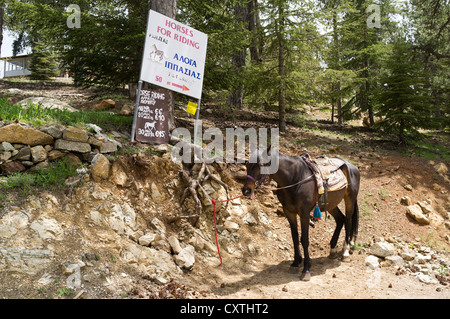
{"type": "Point", "coordinates": [15, 66]}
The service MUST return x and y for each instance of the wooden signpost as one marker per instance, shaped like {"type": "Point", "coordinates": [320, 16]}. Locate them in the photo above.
{"type": "Point", "coordinates": [174, 58]}
{"type": "Point", "coordinates": [152, 114]}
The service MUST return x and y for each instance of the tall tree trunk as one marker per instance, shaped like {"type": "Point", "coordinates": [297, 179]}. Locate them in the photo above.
{"type": "Point", "coordinates": [236, 97]}
{"type": "Point", "coordinates": [2, 13]}
{"type": "Point", "coordinates": [339, 103]}
{"type": "Point", "coordinates": [365, 105]}
{"type": "Point", "coordinates": [337, 87]}
{"type": "Point", "coordinates": [169, 9]}
{"type": "Point", "coordinates": [281, 69]}
{"type": "Point", "coordinates": [254, 26]}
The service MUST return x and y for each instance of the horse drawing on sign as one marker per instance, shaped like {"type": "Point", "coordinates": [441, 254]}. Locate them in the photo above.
{"type": "Point", "coordinates": [298, 194]}
{"type": "Point", "coordinates": [156, 55]}
{"type": "Point", "coordinates": [150, 126]}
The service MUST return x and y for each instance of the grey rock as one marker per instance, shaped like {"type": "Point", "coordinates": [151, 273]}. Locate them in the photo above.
{"type": "Point", "coordinates": [395, 260]}
{"type": "Point", "coordinates": [174, 244]}
{"type": "Point", "coordinates": [6, 231]}
{"type": "Point", "coordinates": [148, 239]}
{"type": "Point", "coordinates": [250, 220]}
{"type": "Point", "coordinates": [185, 259]}
{"type": "Point", "coordinates": [48, 228]}
{"type": "Point", "coordinates": [422, 259]}
{"type": "Point", "coordinates": [408, 255]}
{"type": "Point", "coordinates": [6, 147]}
{"type": "Point", "coordinates": [47, 103]}
{"type": "Point", "coordinates": [382, 249]}
{"type": "Point", "coordinates": [415, 212]}
{"type": "Point", "coordinates": [24, 154]}
{"type": "Point", "coordinates": [100, 167]}
{"type": "Point", "coordinates": [24, 260]}
{"type": "Point", "coordinates": [5, 156]}
{"type": "Point", "coordinates": [108, 147]}
{"type": "Point", "coordinates": [372, 262]}
{"type": "Point", "coordinates": [56, 131]}
{"type": "Point", "coordinates": [72, 146]}
{"type": "Point", "coordinates": [16, 133]}
{"type": "Point", "coordinates": [156, 194]}
{"type": "Point", "coordinates": [231, 226]}
{"type": "Point", "coordinates": [38, 154]}
{"type": "Point", "coordinates": [76, 135]}
{"type": "Point", "coordinates": [426, 279]}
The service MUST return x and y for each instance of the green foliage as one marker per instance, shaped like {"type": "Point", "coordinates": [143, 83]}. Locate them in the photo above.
{"type": "Point", "coordinates": [43, 63]}
{"type": "Point", "coordinates": [340, 61]}
{"type": "Point", "coordinates": [105, 51]}
{"type": "Point", "coordinates": [225, 36]}
{"type": "Point", "coordinates": [404, 96]}
{"type": "Point", "coordinates": [37, 115]}
{"type": "Point", "coordinates": [52, 178]}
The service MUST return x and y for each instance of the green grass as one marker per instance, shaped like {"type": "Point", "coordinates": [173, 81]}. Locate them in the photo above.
{"type": "Point", "coordinates": [38, 116]}
{"type": "Point", "coordinates": [431, 149]}
{"type": "Point", "coordinates": [50, 178]}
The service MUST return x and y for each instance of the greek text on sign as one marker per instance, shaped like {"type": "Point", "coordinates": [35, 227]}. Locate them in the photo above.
{"type": "Point", "coordinates": [174, 55]}
{"type": "Point", "coordinates": [152, 125]}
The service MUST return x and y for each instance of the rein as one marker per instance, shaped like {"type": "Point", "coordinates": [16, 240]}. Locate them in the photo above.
{"type": "Point", "coordinates": [259, 182]}
{"type": "Point", "coordinates": [298, 183]}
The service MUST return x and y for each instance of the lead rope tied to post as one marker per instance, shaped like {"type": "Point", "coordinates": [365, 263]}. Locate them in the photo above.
{"type": "Point", "coordinates": [215, 223]}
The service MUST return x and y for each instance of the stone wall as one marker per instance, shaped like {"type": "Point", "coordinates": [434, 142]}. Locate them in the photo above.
{"type": "Point", "coordinates": [25, 148]}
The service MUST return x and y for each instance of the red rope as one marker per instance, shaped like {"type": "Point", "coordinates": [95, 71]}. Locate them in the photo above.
{"type": "Point", "coordinates": [215, 224]}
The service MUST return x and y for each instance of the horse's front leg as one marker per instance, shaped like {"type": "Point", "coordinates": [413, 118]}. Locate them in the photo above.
{"type": "Point", "coordinates": [292, 219]}
{"type": "Point", "coordinates": [304, 223]}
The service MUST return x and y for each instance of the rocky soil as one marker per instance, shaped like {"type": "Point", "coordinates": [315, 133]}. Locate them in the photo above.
{"type": "Point", "coordinates": [119, 231]}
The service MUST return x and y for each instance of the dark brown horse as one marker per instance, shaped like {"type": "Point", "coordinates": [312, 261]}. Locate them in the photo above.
{"type": "Point", "coordinates": [301, 199]}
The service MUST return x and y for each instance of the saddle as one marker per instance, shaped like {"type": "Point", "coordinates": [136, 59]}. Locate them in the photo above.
{"type": "Point", "coordinates": [329, 175]}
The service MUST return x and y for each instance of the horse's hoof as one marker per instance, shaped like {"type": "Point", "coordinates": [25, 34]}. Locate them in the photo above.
{"type": "Point", "coordinates": [305, 276]}
{"type": "Point", "coordinates": [333, 255]}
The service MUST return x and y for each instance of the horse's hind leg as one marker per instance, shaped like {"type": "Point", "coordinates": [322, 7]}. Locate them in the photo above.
{"type": "Point", "coordinates": [340, 219]}
{"type": "Point", "coordinates": [350, 209]}
{"type": "Point", "coordinates": [304, 221]}
{"type": "Point", "coordinates": [292, 219]}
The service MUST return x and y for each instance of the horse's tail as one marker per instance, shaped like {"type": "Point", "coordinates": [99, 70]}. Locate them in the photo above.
{"type": "Point", "coordinates": [355, 223]}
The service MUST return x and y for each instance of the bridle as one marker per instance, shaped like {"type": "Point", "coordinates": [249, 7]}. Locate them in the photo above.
{"type": "Point", "coordinates": [259, 181]}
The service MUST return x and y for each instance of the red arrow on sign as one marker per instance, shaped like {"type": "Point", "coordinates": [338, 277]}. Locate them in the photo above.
{"type": "Point", "coordinates": [183, 87]}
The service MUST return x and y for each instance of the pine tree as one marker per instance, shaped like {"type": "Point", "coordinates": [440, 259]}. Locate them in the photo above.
{"type": "Point", "coordinates": [404, 94]}
{"type": "Point", "coordinates": [43, 63]}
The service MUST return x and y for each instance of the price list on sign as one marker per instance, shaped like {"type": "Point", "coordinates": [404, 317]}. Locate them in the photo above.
{"type": "Point", "coordinates": [152, 122]}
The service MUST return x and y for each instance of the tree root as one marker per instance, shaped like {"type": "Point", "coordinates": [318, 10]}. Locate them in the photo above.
{"type": "Point", "coordinates": [195, 185]}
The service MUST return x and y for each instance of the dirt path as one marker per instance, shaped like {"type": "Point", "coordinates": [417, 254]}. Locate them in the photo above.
{"type": "Point", "coordinates": [270, 277]}
{"type": "Point", "coordinates": [331, 280]}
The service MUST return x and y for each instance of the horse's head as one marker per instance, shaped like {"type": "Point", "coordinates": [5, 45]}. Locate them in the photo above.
{"type": "Point", "coordinates": [254, 177]}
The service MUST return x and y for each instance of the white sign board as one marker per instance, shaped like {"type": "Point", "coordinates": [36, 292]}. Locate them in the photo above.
{"type": "Point", "coordinates": [174, 55]}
